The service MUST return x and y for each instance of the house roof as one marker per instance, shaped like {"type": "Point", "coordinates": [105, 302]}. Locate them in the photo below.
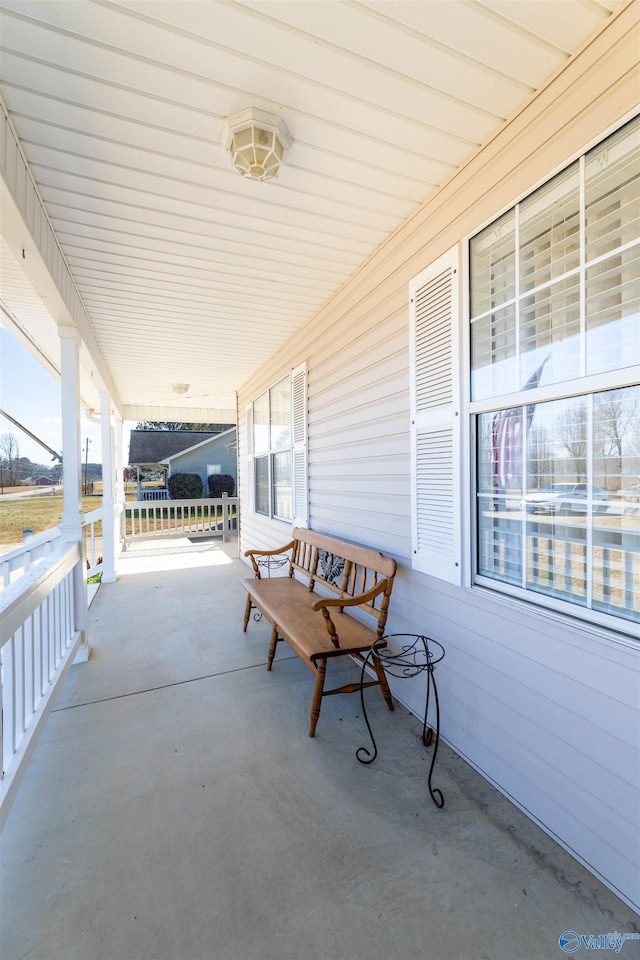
{"type": "Point", "coordinates": [227, 436]}
{"type": "Point", "coordinates": [147, 447]}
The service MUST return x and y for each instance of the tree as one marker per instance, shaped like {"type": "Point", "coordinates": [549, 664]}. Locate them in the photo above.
{"type": "Point", "coordinates": [539, 458]}
{"type": "Point", "coordinates": [172, 425]}
{"type": "Point", "coordinates": [614, 418]}
{"type": "Point", "coordinates": [571, 432]}
{"type": "Point", "coordinates": [10, 453]}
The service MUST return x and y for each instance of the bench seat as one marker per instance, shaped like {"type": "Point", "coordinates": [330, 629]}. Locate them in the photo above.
{"type": "Point", "coordinates": [287, 604]}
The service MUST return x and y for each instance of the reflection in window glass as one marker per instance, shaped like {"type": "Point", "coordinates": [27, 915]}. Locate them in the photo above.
{"type": "Point", "coordinates": [549, 232]}
{"type": "Point", "coordinates": [550, 324]}
{"type": "Point", "coordinates": [493, 265]}
{"type": "Point", "coordinates": [612, 193]}
{"type": "Point", "coordinates": [261, 423]}
{"type": "Point", "coordinates": [559, 499]}
{"type": "Point", "coordinates": [262, 485]}
{"type": "Point", "coordinates": [493, 352]}
{"type": "Point", "coordinates": [282, 498]}
{"type": "Point", "coordinates": [613, 312]}
{"type": "Point", "coordinates": [280, 410]}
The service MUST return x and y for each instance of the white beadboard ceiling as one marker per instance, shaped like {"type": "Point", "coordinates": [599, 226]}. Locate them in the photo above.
{"type": "Point", "coordinates": [189, 273]}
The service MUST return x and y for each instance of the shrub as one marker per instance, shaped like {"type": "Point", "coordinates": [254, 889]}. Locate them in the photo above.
{"type": "Point", "coordinates": [185, 486]}
{"type": "Point", "coordinates": [220, 483]}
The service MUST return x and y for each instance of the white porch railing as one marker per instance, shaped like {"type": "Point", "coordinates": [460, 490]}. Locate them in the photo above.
{"type": "Point", "coordinates": [39, 639]}
{"type": "Point", "coordinates": [40, 633]}
{"type": "Point", "coordinates": [24, 558]}
{"type": "Point", "coordinates": [180, 518]}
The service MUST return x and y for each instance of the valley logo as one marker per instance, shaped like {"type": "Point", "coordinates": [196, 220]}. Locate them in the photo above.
{"type": "Point", "coordinates": [570, 941]}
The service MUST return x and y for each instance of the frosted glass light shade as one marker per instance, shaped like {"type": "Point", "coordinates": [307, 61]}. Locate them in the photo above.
{"type": "Point", "coordinates": [256, 142]}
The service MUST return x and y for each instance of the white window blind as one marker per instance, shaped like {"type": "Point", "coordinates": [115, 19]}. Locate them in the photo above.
{"type": "Point", "coordinates": [250, 465]}
{"type": "Point", "coordinates": [435, 420]}
{"type": "Point", "coordinates": [299, 421]}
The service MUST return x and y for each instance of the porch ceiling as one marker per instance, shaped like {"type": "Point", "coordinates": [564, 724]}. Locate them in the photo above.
{"type": "Point", "coordinates": [189, 273]}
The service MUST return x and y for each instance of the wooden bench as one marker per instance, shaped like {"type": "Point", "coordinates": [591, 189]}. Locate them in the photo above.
{"type": "Point", "coordinates": [345, 578]}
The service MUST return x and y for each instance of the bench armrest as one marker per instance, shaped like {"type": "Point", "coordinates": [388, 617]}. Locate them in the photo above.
{"type": "Point", "coordinates": [352, 601]}
{"type": "Point", "coordinates": [252, 554]}
{"type": "Point", "coordinates": [341, 602]}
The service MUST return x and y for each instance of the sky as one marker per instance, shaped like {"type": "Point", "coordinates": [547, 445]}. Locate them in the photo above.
{"type": "Point", "coordinates": [31, 395]}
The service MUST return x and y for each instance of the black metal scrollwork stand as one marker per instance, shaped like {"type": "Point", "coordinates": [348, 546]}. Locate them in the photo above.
{"type": "Point", "coordinates": [269, 563]}
{"type": "Point", "coordinates": [412, 659]}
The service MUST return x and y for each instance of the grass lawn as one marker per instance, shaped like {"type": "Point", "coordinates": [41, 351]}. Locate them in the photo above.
{"type": "Point", "coordinates": [39, 513]}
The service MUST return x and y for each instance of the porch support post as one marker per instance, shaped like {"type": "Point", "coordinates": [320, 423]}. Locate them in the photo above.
{"type": "Point", "coordinates": [119, 484]}
{"type": "Point", "coordinates": [72, 513]}
{"type": "Point", "coordinates": [119, 492]}
{"type": "Point", "coordinates": [108, 492]}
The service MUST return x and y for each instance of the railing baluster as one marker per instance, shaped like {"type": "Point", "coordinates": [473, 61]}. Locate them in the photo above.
{"type": "Point", "coordinates": [15, 700]}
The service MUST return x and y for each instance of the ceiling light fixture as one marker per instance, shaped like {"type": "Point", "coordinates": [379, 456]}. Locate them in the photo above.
{"type": "Point", "coordinates": [256, 142]}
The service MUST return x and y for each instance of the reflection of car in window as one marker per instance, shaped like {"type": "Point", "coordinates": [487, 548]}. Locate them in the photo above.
{"type": "Point", "coordinates": [567, 498]}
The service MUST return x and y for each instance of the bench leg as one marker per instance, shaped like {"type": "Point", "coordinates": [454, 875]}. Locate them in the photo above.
{"type": "Point", "coordinates": [384, 683]}
{"type": "Point", "coordinates": [247, 614]}
{"type": "Point", "coordinates": [272, 647]}
{"type": "Point", "coordinates": [321, 671]}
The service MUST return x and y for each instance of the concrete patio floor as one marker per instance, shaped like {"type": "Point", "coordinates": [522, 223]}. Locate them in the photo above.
{"type": "Point", "coordinates": [176, 808]}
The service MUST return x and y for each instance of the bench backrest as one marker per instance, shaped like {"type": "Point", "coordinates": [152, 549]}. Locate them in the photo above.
{"type": "Point", "coordinates": [345, 569]}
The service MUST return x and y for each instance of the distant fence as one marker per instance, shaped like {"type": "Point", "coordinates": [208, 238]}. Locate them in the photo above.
{"type": "Point", "coordinates": [203, 517]}
{"type": "Point", "coordinates": [154, 495]}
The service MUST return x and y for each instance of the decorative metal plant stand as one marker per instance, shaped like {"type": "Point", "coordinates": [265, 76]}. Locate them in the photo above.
{"type": "Point", "coordinates": [414, 657]}
{"type": "Point", "coordinates": [269, 564]}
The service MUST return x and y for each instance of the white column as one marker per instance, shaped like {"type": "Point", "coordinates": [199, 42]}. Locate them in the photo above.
{"type": "Point", "coordinates": [108, 491]}
{"type": "Point", "coordinates": [72, 513]}
{"type": "Point", "coordinates": [119, 492]}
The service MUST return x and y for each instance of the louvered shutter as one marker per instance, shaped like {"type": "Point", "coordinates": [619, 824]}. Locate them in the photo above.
{"type": "Point", "coordinates": [435, 420]}
{"type": "Point", "coordinates": [299, 421]}
{"type": "Point", "coordinates": [250, 463]}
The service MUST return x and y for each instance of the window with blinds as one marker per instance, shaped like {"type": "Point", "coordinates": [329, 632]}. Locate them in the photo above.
{"type": "Point", "coordinates": [276, 450]}
{"type": "Point", "coordinates": [555, 304]}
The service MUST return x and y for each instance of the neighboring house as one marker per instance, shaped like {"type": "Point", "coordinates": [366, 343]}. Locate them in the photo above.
{"type": "Point", "coordinates": [43, 482]}
{"type": "Point", "coordinates": [445, 380]}
{"type": "Point", "coordinates": [217, 454]}
{"type": "Point", "coordinates": [150, 450]}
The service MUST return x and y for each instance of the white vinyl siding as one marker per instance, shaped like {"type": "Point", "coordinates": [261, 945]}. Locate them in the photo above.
{"type": "Point", "coordinates": [435, 420]}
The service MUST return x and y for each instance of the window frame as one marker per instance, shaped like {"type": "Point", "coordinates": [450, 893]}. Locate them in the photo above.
{"type": "Point", "coordinates": [587, 385]}
{"type": "Point", "coordinates": [295, 448]}
{"type": "Point", "coordinates": [265, 453]}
